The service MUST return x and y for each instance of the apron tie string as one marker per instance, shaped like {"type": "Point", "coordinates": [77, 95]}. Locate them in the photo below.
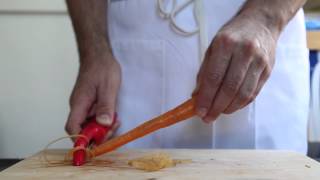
{"type": "Point", "coordinates": [199, 17]}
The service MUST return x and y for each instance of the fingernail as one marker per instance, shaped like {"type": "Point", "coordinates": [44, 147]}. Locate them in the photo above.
{"type": "Point", "coordinates": [207, 120]}
{"type": "Point", "coordinates": [202, 112]}
{"type": "Point", "coordinates": [210, 119]}
{"type": "Point", "coordinates": [104, 119]}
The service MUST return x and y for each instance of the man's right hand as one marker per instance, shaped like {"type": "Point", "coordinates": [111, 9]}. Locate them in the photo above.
{"type": "Point", "coordinates": [97, 86]}
{"type": "Point", "coordinates": [95, 91]}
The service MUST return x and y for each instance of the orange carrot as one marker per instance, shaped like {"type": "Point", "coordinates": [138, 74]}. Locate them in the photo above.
{"type": "Point", "coordinates": [180, 113]}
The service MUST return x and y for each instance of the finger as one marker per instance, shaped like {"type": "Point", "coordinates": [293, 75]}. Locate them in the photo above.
{"type": "Point", "coordinates": [199, 77]}
{"type": "Point", "coordinates": [248, 88]}
{"type": "Point", "coordinates": [263, 78]}
{"type": "Point", "coordinates": [80, 105]}
{"type": "Point", "coordinates": [112, 131]}
{"type": "Point", "coordinates": [92, 111]}
{"type": "Point", "coordinates": [106, 102]}
{"type": "Point", "coordinates": [217, 62]}
{"type": "Point", "coordinates": [234, 77]}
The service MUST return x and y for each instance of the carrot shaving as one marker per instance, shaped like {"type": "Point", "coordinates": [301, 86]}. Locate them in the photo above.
{"type": "Point", "coordinates": [68, 155]}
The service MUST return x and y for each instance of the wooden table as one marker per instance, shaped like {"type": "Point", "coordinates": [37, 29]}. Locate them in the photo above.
{"type": "Point", "coordinates": [206, 164]}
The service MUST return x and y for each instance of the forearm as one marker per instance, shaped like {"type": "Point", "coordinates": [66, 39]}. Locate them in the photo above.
{"type": "Point", "coordinates": [274, 14]}
{"type": "Point", "coordinates": [90, 25]}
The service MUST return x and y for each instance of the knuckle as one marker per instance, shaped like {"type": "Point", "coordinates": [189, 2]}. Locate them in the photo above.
{"type": "Point", "coordinates": [251, 99]}
{"type": "Point", "coordinates": [216, 109]}
{"type": "Point", "coordinates": [203, 100]}
{"type": "Point", "coordinates": [72, 100]}
{"type": "Point", "coordinates": [256, 93]}
{"type": "Point", "coordinates": [267, 71]}
{"type": "Point", "coordinates": [246, 103]}
{"type": "Point", "coordinates": [226, 39]}
{"type": "Point", "coordinates": [231, 86]}
{"type": "Point", "coordinates": [103, 107]}
{"type": "Point", "coordinates": [229, 111]}
{"type": "Point", "coordinates": [214, 77]}
{"type": "Point", "coordinates": [79, 97]}
{"type": "Point", "coordinates": [68, 128]}
{"type": "Point", "coordinates": [265, 74]}
{"type": "Point", "coordinates": [261, 61]}
{"type": "Point", "coordinates": [82, 92]}
{"type": "Point", "coordinates": [250, 46]}
{"type": "Point", "coordinates": [210, 118]}
{"type": "Point", "coordinates": [244, 96]}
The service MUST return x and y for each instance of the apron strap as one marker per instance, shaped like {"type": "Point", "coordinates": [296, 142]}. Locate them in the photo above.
{"type": "Point", "coordinates": [199, 17]}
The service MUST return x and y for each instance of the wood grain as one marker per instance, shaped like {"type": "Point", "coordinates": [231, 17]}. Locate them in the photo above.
{"type": "Point", "coordinates": [206, 164]}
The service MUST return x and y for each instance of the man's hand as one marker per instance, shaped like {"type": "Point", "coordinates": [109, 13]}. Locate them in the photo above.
{"type": "Point", "coordinates": [240, 58]}
{"type": "Point", "coordinates": [98, 82]}
{"type": "Point", "coordinates": [95, 91]}
{"type": "Point", "coordinates": [236, 65]}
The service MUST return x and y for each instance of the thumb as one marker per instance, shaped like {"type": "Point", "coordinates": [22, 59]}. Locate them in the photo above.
{"type": "Point", "coordinates": [106, 105]}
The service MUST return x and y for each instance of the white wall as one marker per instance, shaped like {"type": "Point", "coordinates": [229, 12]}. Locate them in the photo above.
{"type": "Point", "coordinates": [38, 66]}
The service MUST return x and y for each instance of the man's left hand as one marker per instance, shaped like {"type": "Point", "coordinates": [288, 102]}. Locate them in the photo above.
{"type": "Point", "coordinates": [236, 66]}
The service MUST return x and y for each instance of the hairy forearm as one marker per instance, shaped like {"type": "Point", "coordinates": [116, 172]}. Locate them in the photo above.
{"type": "Point", "coordinates": [90, 25]}
{"type": "Point", "coordinates": [274, 14]}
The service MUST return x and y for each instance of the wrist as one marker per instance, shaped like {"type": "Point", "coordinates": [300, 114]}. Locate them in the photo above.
{"type": "Point", "coordinates": [98, 56]}
{"type": "Point", "coordinates": [96, 52]}
{"type": "Point", "coordinates": [269, 14]}
{"type": "Point", "coordinates": [266, 20]}
{"type": "Point", "coordinates": [88, 47]}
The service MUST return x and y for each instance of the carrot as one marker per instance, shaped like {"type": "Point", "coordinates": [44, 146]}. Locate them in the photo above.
{"type": "Point", "coordinates": [180, 113]}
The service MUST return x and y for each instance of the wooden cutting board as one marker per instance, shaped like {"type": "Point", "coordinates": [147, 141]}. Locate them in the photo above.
{"type": "Point", "coordinates": [206, 164]}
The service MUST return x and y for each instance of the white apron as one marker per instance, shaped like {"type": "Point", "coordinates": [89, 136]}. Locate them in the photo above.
{"type": "Point", "coordinates": [159, 68]}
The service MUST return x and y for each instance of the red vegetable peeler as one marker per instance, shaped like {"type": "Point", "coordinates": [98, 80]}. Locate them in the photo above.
{"type": "Point", "coordinates": [92, 132]}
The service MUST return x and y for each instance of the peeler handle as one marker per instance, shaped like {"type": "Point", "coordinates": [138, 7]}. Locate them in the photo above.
{"type": "Point", "coordinates": [92, 133]}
